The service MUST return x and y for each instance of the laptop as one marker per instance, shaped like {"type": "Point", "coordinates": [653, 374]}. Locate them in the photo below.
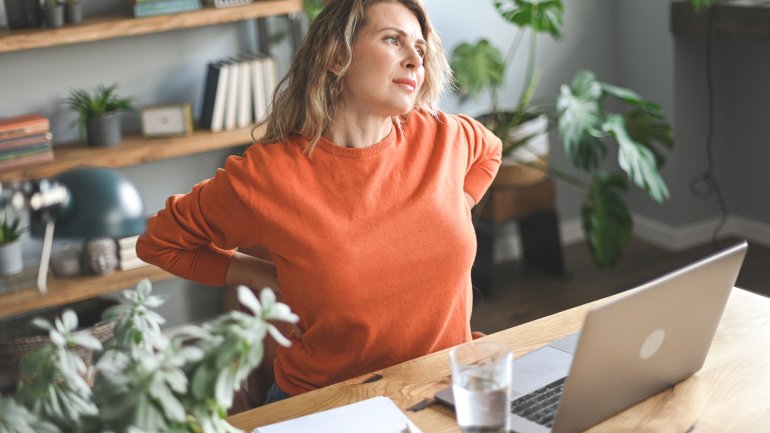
{"type": "Point", "coordinates": [649, 339]}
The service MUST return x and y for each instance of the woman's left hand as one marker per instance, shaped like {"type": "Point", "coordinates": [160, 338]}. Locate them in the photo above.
{"type": "Point", "coordinates": [470, 200]}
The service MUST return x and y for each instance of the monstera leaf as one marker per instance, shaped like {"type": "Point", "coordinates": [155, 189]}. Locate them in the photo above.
{"type": "Point", "coordinates": [580, 116]}
{"type": "Point", "coordinates": [543, 16]}
{"type": "Point", "coordinates": [477, 67]}
{"type": "Point", "coordinates": [606, 220]}
{"type": "Point", "coordinates": [637, 160]}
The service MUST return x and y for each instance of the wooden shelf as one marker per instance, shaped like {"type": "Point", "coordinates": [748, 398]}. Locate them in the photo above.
{"type": "Point", "coordinates": [117, 27]}
{"type": "Point", "coordinates": [736, 19]}
{"type": "Point", "coordinates": [63, 291]}
{"type": "Point", "coordinates": [132, 151]}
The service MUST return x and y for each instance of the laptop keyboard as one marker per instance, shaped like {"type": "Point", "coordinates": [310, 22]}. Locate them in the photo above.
{"type": "Point", "coordinates": [540, 405]}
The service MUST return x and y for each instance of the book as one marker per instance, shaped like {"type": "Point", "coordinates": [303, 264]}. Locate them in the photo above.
{"type": "Point", "coordinates": [18, 152]}
{"type": "Point", "coordinates": [244, 105]}
{"type": "Point", "coordinates": [271, 77]}
{"type": "Point", "coordinates": [218, 116]}
{"type": "Point", "coordinates": [22, 125]}
{"type": "Point", "coordinates": [127, 242]}
{"type": "Point", "coordinates": [259, 96]}
{"type": "Point", "coordinates": [231, 99]}
{"type": "Point", "coordinates": [25, 140]}
{"type": "Point", "coordinates": [35, 158]}
{"type": "Point", "coordinates": [209, 94]}
{"type": "Point", "coordinates": [125, 265]}
{"type": "Point", "coordinates": [163, 7]}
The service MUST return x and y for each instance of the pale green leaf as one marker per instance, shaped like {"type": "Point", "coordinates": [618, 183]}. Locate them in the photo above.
{"type": "Point", "coordinates": [247, 299]}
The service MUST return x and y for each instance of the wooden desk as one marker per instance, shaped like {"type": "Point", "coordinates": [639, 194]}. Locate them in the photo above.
{"type": "Point", "coordinates": [730, 393]}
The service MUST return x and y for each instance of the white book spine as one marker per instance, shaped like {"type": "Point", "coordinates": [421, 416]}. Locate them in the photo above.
{"type": "Point", "coordinates": [217, 119]}
{"type": "Point", "coordinates": [259, 89]}
{"type": "Point", "coordinates": [232, 97]}
{"type": "Point", "coordinates": [244, 94]}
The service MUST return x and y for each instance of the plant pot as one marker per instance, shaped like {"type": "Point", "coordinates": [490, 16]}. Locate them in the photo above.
{"type": "Point", "coordinates": [104, 130]}
{"type": "Point", "coordinates": [73, 12]}
{"type": "Point", "coordinates": [23, 14]}
{"type": "Point", "coordinates": [10, 258]}
{"type": "Point", "coordinates": [54, 16]}
{"type": "Point", "coordinates": [514, 172]}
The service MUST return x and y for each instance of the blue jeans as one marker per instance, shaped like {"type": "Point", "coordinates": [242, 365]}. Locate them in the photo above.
{"type": "Point", "coordinates": [275, 394]}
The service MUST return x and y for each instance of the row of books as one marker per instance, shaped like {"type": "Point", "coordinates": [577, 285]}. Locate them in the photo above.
{"type": "Point", "coordinates": [127, 258]}
{"type": "Point", "coordinates": [238, 91]}
{"type": "Point", "coordinates": [25, 140]}
{"type": "Point", "coordinates": [148, 8]}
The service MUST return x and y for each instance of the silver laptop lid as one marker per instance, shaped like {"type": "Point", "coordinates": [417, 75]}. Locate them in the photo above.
{"type": "Point", "coordinates": [649, 339]}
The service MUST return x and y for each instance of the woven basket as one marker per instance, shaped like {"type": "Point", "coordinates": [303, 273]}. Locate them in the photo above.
{"type": "Point", "coordinates": [19, 338]}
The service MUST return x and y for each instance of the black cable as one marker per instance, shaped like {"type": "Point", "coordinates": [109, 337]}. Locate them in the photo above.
{"type": "Point", "coordinates": [707, 178]}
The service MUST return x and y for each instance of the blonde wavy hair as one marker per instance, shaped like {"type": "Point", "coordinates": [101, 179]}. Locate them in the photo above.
{"type": "Point", "coordinates": [307, 98]}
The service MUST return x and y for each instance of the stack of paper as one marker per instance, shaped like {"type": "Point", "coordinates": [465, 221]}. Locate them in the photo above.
{"type": "Point", "coordinates": [376, 415]}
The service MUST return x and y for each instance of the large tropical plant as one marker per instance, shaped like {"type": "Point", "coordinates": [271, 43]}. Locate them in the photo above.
{"type": "Point", "coordinates": [588, 124]}
{"type": "Point", "coordinates": [143, 380]}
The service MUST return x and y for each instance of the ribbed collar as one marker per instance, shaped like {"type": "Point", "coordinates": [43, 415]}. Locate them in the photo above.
{"type": "Point", "coordinates": [360, 152]}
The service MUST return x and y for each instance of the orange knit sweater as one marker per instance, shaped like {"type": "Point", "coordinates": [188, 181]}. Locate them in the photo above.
{"type": "Point", "coordinates": [373, 246]}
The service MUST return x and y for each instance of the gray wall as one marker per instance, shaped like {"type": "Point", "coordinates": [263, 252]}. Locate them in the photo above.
{"type": "Point", "coordinates": [672, 69]}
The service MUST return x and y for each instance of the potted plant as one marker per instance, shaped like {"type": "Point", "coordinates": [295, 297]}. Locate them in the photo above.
{"type": "Point", "coordinates": [99, 115]}
{"type": "Point", "coordinates": [73, 11]}
{"type": "Point", "coordinates": [143, 381]}
{"type": "Point", "coordinates": [586, 126]}
{"type": "Point", "coordinates": [10, 246]}
{"type": "Point", "coordinates": [53, 10]}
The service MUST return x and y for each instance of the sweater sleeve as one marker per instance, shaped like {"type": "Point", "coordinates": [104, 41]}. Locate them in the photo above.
{"type": "Point", "coordinates": [484, 155]}
{"type": "Point", "coordinates": [194, 235]}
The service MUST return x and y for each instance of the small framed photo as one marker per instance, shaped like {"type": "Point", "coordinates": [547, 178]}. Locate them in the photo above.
{"type": "Point", "coordinates": [167, 120]}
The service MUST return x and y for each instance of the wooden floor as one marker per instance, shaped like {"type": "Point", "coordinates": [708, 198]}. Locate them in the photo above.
{"type": "Point", "coordinates": [520, 295]}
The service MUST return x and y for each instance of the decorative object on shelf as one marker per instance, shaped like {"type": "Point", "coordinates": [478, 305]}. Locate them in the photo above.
{"type": "Point", "coordinates": [66, 259]}
{"type": "Point", "coordinates": [24, 140]}
{"type": "Point", "coordinates": [98, 115]}
{"type": "Point", "coordinates": [585, 123]}
{"type": "Point", "coordinates": [167, 120]}
{"type": "Point", "coordinates": [73, 11]}
{"type": "Point", "coordinates": [227, 3]}
{"type": "Point", "coordinates": [53, 11]}
{"type": "Point", "coordinates": [143, 380]}
{"type": "Point", "coordinates": [100, 256]}
{"type": "Point", "coordinates": [86, 202]}
{"type": "Point", "coordinates": [10, 246]}
{"type": "Point", "coordinates": [148, 8]}
{"type": "Point", "coordinates": [23, 14]}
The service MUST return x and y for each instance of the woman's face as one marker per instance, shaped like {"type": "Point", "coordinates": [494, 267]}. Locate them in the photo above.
{"type": "Point", "coordinates": [386, 71]}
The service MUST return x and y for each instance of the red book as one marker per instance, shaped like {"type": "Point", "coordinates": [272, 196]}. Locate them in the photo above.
{"type": "Point", "coordinates": [25, 124]}
{"type": "Point", "coordinates": [24, 141]}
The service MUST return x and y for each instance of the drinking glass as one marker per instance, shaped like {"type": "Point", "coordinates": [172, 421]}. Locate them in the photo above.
{"type": "Point", "coordinates": [481, 386]}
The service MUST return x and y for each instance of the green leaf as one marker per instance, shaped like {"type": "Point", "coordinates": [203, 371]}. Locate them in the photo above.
{"type": "Point", "coordinates": [542, 16]}
{"type": "Point", "coordinates": [632, 98]}
{"type": "Point", "coordinates": [477, 67]}
{"type": "Point", "coordinates": [247, 299]}
{"type": "Point", "coordinates": [579, 117]}
{"type": "Point", "coordinates": [606, 219]}
{"type": "Point", "coordinates": [637, 160]}
{"type": "Point", "coordinates": [651, 132]}
{"type": "Point", "coordinates": [69, 320]}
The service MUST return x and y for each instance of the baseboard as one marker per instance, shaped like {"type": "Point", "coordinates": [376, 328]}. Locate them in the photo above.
{"type": "Point", "coordinates": [659, 234]}
{"type": "Point", "coordinates": [690, 235]}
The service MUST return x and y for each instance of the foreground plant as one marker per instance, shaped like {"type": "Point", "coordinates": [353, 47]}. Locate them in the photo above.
{"type": "Point", "coordinates": [144, 381]}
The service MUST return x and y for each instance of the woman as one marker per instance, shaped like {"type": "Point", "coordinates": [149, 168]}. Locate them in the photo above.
{"type": "Point", "coordinates": [360, 190]}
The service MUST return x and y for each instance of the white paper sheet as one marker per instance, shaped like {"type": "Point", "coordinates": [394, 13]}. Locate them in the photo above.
{"type": "Point", "coordinates": [375, 415]}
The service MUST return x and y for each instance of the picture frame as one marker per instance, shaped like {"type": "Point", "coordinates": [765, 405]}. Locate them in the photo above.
{"type": "Point", "coordinates": [167, 120]}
